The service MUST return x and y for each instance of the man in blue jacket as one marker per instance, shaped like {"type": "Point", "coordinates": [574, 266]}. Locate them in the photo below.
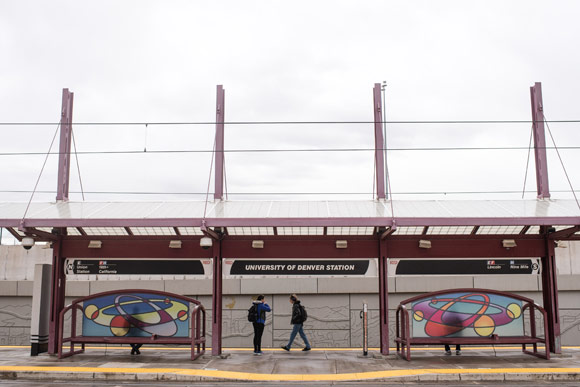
{"type": "Point", "coordinates": [260, 323]}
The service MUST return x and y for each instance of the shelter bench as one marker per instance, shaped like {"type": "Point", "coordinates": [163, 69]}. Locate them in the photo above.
{"type": "Point", "coordinates": [469, 316]}
{"type": "Point", "coordinates": [134, 316]}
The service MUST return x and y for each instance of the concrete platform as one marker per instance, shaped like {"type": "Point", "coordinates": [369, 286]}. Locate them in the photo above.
{"type": "Point", "coordinates": [320, 365]}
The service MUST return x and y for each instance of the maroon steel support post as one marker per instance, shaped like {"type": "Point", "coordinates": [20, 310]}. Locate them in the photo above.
{"type": "Point", "coordinates": [539, 141]}
{"type": "Point", "coordinates": [383, 298]}
{"type": "Point", "coordinates": [550, 295]}
{"type": "Point", "coordinates": [219, 144]}
{"type": "Point", "coordinates": [65, 145]}
{"type": "Point", "coordinates": [379, 142]}
{"type": "Point", "coordinates": [216, 327]}
{"type": "Point", "coordinates": [58, 286]}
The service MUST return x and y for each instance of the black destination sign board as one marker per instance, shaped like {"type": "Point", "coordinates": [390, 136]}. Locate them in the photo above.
{"type": "Point", "coordinates": [134, 266]}
{"type": "Point", "coordinates": [300, 267]}
{"type": "Point", "coordinates": [467, 266]}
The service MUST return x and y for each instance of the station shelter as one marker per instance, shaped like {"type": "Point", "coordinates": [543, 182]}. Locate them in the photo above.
{"type": "Point", "coordinates": [382, 228]}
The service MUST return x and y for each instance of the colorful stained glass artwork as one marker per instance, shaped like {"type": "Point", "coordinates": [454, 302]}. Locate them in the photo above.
{"type": "Point", "coordinates": [467, 315]}
{"type": "Point", "coordinates": [136, 315]}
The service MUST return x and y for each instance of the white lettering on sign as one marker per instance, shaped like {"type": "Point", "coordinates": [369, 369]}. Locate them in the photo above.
{"type": "Point", "coordinates": [340, 267]}
{"type": "Point", "coordinates": [265, 267]}
{"type": "Point", "coordinates": [310, 267]}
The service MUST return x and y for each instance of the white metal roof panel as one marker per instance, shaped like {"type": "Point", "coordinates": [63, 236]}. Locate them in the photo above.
{"type": "Point", "coordinates": [242, 209]}
{"type": "Point", "coordinates": [172, 210]}
{"type": "Point", "coordinates": [299, 210]}
{"type": "Point", "coordinates": [362, 209]}
{"type": "Point", "coordinates": [451, 209]}
{"type": "Point", "coordinates": [424, 209]}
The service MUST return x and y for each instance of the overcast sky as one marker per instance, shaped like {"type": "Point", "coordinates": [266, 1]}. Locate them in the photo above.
{"type": "Point", "coordinates": [160, 61]}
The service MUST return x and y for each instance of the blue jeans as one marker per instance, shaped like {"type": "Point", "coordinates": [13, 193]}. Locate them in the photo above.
{"type": "Point", "coordinates": [298, 328]}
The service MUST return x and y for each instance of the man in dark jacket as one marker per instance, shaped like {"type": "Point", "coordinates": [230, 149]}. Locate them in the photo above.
{"type": "Point", "coordinates": [260, 323]}
{"type": "Point", "coordinates": [297, 322]}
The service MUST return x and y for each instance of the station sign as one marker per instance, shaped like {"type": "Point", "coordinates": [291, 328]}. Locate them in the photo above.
{"type": "Point", "coordinates": [458, 266]}
{"type": "Point", "coordinates": [300, 268]}
{"type": "Point", "coordinates": [90, 266]}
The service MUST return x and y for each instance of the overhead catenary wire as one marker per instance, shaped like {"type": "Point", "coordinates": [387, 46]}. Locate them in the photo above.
{"type": "Point", "coordinates": [528, 161]}
{"type": "Point", "coordinates": [169, 151]}
{"type": "Point", "coordinates": [313, 122]}
{"type": "Point", "coordinates": [209, 179]}
{"type": "Point", "coordinates": [78, 164]}
{"type": "Point", "coordinates": [40, 174]}
{"type": "Point", "coordinates": [284, 193]}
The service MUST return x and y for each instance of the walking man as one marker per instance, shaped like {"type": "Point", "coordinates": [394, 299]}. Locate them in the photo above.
{"type": "Point", "coordinates": [297, 321]}
{"type": "Point", "coordinates": [261, 309]}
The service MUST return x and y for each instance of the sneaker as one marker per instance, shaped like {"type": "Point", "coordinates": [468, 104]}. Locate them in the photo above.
{"type": "Point", "coordinates": [447, 353]}
{"type": "Point", "coordinates": [285, 348]}
{"type": "Point", "coordinates": [458, 353]}
{"type": "Point", "coordinates": [258, 354]}
{"type": "Point", "coordinates": [306, 349]}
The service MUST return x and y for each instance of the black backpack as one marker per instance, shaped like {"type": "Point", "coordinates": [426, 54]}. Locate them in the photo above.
{"type": "Point", "coordinates": [303, 313]}
{"type": "Point", "coordinates": [253, 313]}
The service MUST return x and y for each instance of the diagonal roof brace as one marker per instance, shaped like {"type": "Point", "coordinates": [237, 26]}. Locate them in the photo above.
{"type": "Point", "coordinates": [209, 232]}
{"type": "Point", "coordinates": [564, 234]}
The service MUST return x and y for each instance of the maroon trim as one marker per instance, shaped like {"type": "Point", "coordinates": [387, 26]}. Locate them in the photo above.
{"type": "Point", "coordinates": [134, 248]}
{"type": "Point", "coordinates": [404, 339]}
{"type": "Point", "coordinates": [159, 292]}
{"type": "Point", "coordinates": [197, 323]}
{"type": "Point", "coordinates": [564, 234]}
{"type": "Point", "coordinates": [550, 295]}
{"type": "Point", "coordinates": [383, 298]}
{"type": "Point", "coordinates": [41, 234]}
{"type": "Point", "coordinates": [447, 291]}
{"type": "Point", "coordinates": [304, 247]}
{"type": "Point", "coordinates": [14, 233]}
{"type": "Point", "coordinates": [216, 332]}
{"type": "Point", "coordinates": [387, 232]}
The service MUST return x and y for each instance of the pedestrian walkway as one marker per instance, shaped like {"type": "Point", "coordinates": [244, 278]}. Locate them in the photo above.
{"type": "Point", "coordinates": [330, 365]}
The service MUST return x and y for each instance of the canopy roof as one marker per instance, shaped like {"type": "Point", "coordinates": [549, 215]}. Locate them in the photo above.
{"type": "Point", "coordinates": [295, 217]}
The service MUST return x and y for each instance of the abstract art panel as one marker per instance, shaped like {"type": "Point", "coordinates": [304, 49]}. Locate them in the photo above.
{"type": "Point", "coordinates": [136, 315]}
{"type": "Point", "coordinates": [467, 314]}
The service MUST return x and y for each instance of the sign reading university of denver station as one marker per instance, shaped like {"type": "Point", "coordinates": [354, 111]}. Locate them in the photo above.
{"type": "Point", "coordinates": [298, 267]}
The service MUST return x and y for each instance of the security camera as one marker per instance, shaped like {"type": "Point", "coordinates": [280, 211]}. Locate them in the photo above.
{"type": "Point", "coordinates": [205, 243]}
{"type": "Point", "coordinates": [27, 242]}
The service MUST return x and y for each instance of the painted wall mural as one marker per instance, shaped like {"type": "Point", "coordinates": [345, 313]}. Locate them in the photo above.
{"type": "Point", "coordinates": [136, 315]}
{"type": "Point", "coordinates": [467, 314]}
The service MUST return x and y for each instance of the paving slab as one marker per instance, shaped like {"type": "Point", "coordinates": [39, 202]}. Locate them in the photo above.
{"type": "Point", "coordinates": [156, 364]}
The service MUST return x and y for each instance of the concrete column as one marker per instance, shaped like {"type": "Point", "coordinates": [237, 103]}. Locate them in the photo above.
{"type": "Point", "coordinates": [40, 309]}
